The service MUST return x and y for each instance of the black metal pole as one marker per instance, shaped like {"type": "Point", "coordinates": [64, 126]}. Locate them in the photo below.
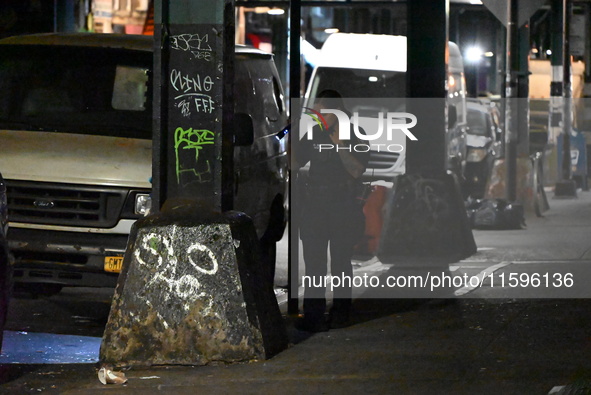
{"type": "Point", "coordinates": [560, 123]}
{"type": "Point", "coordinates": [295, 15]}
{"type": "Point", "coordinates": [511, 92]}
{"type": "Point", "coordinates": [556, 58]}
{"type": "Point", "coordinates": [523, 91]}
{"type": "Point", "coordinates": [427, 41]}
{"type": "Point", "coordinates": [567, 94]}
{"type": "Point", "coordinates": [441, 233]}
{"type": "Point", "coordinates": [159, 104]}
{"type": "Point", "coordinates": [227, 154]}
{"type": "Point", "coordinates": [191, 136]}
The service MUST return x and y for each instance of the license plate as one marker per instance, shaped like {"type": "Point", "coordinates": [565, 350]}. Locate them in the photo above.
{"type": "Point", "coordinates": [113, 264]}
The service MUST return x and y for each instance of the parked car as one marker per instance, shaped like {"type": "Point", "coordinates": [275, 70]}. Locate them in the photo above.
{"type": "Point", "coordinates": [5, 264]}
{"type": "Point", "coordinates": [484, 145]}
{"type": "Point", "coordinates": [75, 132]}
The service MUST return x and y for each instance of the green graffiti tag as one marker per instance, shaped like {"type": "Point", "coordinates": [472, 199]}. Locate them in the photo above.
{"type": "Point", "coordinates": [192, 139]}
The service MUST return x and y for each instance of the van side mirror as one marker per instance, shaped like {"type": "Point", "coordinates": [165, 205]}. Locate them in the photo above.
{"type": "Point", "coordinates": [243, 129]}
{"type": "Point", "coordinates": [452, 115]}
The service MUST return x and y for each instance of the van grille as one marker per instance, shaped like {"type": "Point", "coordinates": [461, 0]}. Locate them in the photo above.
{"type": "Point", "coordinates": [382, 160]}
{"type": "Point", "coordinates": [68, 205]}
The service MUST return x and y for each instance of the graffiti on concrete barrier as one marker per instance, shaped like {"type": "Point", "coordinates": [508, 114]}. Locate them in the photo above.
{"type": "Point", "coordinates": [182, 286]}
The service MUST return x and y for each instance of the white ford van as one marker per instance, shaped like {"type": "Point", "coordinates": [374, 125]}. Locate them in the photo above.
{"type": "Point", "coordinates": [76, 151]}
{"type": "Point", "coordinates": [369, 70]}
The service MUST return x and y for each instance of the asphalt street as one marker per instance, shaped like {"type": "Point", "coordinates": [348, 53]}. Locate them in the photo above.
{"type": "Point", "coordinates": [516, 322]}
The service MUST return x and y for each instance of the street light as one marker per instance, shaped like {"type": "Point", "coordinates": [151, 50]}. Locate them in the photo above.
{"type": "Point", "coordinates": [474, 54]}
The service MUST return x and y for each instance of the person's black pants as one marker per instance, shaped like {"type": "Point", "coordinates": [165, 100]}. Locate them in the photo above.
{"type": "Point", "coordinates": [336, 228]}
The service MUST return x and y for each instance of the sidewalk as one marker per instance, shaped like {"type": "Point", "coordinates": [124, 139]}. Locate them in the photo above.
{"type": "Point", "coordinates": [409, 346]}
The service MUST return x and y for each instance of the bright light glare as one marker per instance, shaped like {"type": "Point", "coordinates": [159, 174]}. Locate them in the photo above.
{"type": "Point", "coordinates": [548, 52]}
{"type": "Point", "coordinates": [473, 54]}
{"type": "Point", "coordinates": [452, 81]}
{"type": "Point", "coordinates": [489, 54]}
{"type": "Point", "coordinates": [276, 11]}
{"type": "Point", "coordinates": [373, 79]}
{"type": "Point", "coordinates": [331, 30]}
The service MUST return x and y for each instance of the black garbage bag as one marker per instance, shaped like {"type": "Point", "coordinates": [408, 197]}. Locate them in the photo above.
{"type": "Point", "coordinates": [495, 214]}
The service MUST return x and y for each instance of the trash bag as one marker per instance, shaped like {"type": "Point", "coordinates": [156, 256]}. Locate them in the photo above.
{"type": "Point", "coordinates": [495, 214]}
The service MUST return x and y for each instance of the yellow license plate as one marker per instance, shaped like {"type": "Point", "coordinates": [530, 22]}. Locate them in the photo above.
{"type": "Point", "coordinates": [113, 264]}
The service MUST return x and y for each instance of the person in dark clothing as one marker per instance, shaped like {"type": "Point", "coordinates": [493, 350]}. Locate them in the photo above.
{"type": "Point", "coordinates": [331, 215]}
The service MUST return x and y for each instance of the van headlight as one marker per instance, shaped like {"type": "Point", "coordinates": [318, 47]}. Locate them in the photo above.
{"type": "Point", "coordinates": [143, 204]}
{"type": "Point", "coordinates": [476, 154]}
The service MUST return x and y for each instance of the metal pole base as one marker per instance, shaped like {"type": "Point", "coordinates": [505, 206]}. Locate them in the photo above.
{"type": "Point", "coordinates": [426, 222]}
{"type": "Point", "coordinates": [565, 189]}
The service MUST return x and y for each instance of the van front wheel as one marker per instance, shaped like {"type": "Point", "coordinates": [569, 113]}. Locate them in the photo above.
{"type": "Point", "coordinates": [269, 255]}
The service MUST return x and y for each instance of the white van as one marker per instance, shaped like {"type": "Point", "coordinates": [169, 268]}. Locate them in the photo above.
{"type": "Point", "coordinates": [367, 69]}
{"type": "Point", "coordinates": [76, 152]}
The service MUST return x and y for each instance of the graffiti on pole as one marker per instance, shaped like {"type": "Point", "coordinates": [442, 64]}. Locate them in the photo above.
{"type": "Point", "coordinates": [192, 141]}
{"type": "Point", "coordinates": [195, 111]}
{"type": "Point", "coordinates": [196, 44]}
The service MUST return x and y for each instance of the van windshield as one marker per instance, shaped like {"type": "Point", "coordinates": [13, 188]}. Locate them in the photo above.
{"type": "Point", "coordinates": [75, 90]}
{"type": "Point", "coordinates": [359, 83]}
{"type": "Point", "coordinates": [477, 122]}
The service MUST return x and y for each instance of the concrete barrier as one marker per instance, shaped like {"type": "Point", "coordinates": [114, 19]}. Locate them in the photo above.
{"type": "Point", "coordinates": [496, 187]}
{"type": "Point", "coordinates": [426, 222]}
{"type": "Point", "coordinates": [192, 291]}
{"type": "Point", "coordinates": [532, 175]}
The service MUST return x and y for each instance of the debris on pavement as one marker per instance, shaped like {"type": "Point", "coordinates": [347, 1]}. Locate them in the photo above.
{"type": "Point", "coordinates": [107, 376]}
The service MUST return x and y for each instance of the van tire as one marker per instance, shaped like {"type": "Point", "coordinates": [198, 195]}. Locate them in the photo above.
{"type": "Point", "coordinates": [273, 233]}
{"type": "Point", "coordinates": [269, 255]}
{"type": "Point", "coordinates": [277, 220]}
{"type": "Point", "coordinates": [456, 168]}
